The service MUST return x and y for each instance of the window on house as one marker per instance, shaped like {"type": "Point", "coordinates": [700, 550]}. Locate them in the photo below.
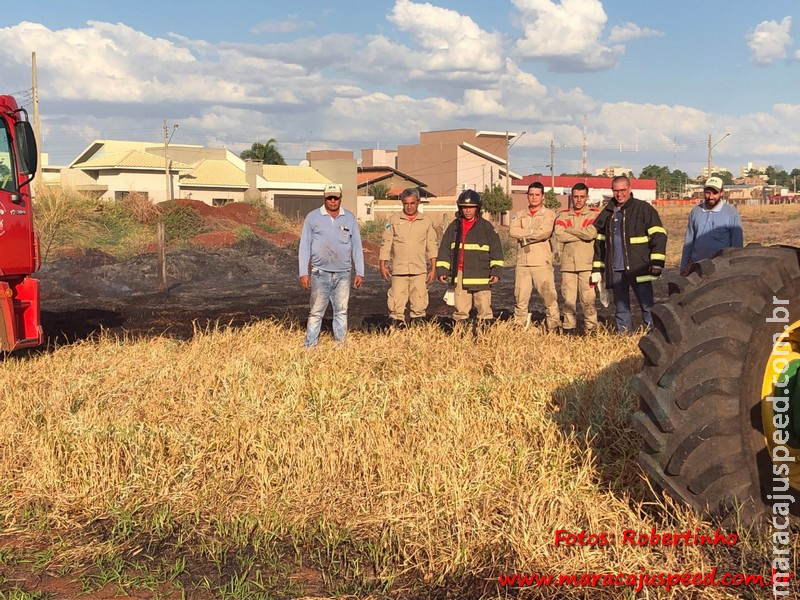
{"type": "Point", "coordinates": [220, 201]}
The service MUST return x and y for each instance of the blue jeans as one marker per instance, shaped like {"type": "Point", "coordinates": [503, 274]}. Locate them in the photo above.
{"type": "Point", "coordinates": [328, 287]}
{"type": "Point", "coordinates": [620, 282]}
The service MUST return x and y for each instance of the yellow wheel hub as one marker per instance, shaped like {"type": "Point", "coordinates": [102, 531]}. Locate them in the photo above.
{"type": "Point", "coordinates": [780, 403]}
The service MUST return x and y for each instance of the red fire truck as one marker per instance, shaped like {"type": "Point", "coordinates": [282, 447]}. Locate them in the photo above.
{"type": "Point", "coordinates": [20, 326]}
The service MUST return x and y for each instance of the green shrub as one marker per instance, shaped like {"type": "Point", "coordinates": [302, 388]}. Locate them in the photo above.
{"type": "Point", "coordinates": [245, 234]}
{"type": "Point", "coordinates": [181, 223]}
{"type": "Point", "coordinates": [121, 232]}
{"type": "Point", "coordinates": [372, 231]}
{"type": "Point", "coordinates": [140, 208]}
{"type": "Point", "coordinates": [65, 218]}
{"type": "Point", "coordinates": [271, 220]}
{"type": "Point", "coordinates": [509, 246]}
{"type": "Point", "coordinates": [247, 240]}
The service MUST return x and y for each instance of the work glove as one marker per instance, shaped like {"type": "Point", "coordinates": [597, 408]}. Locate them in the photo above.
{"type": "Point", "coordinates": [655, 271]}
{"type": "Point", "coordinates": [595, 278]}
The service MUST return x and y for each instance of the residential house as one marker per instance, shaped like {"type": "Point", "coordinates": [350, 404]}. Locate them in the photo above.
{"type": "Point", "coordinates": [111, 169]}
{"type": "Point", "coordinates": [393, 180]}
{"type": "Point", "coordinates": [292, 190]}
{"type": "Point", "coordinates": [378, 158]}
{"type": "Point", "coordinates": [339, 166]}
{"type": "Point", "coordinates": [457, 159]}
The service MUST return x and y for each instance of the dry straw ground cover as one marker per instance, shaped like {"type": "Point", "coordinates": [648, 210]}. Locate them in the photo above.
{"type": "Point", "coordinates": [411, 464]}
{"type": "Point", "coordinates": [406, 465]}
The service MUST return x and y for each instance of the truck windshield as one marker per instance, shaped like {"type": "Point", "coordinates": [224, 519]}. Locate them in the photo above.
{"type": "Point", "coordinates": [8, 170]}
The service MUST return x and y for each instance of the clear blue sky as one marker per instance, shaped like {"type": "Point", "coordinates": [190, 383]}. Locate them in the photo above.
{"type": "Point", "coordinates": [654, 79]}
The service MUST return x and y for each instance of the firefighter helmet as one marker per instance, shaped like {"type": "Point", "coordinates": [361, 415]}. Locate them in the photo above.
{"type": "Point", "coordinates": [469, 198]}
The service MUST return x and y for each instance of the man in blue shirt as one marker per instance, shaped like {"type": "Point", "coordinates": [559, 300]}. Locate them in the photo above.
{"type": "Point", "coordinates": [330, 245]}
{"type": "Point", "coordinates": [713, 225]}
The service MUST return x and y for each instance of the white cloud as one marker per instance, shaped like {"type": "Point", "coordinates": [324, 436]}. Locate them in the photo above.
{"type": "Point", "coordinates": [378, 116]}
{"type": "Point", "coordinates": [770, 41]}
{"type": "Point", "coordinates": [566, 34]}
{"type": "Point", "coordinates": [630, 31]}
{"type": "Point", "coordinates": [103, 60]}
{"type": "Point", "coordinates": [433, 68]}
{"type": "Point", "coordinates": [113, 63]}
{"type": "Point", "coordinates": [646, 123]}
{"type": "Point", "coordinates": [449, 40]}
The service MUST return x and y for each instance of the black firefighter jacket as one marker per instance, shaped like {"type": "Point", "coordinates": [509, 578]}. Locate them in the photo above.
{"type": "Point", "coordinates": [644, 241]}
{"type": "Point", "coordinates": [483, 252]}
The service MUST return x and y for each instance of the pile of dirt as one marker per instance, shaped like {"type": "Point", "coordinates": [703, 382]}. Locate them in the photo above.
{"type": "Point", "coordinates": [225, 224]}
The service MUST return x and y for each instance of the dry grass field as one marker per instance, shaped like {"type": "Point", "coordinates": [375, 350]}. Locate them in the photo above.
{"type": "Point", "coordinates": [407, 464]}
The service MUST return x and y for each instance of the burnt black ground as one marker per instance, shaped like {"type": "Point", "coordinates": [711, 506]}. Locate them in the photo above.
{"type": "Point", "coordinates": [232, 286]}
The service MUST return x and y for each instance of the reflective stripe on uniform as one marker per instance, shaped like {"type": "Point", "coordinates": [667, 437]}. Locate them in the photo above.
{"type": "Point", "coordinates": [598, 265]}
{"type": "Point", "coordinates": [484, 248]}
{"type": "Point", "coordinates": [601, 237]}
{"type": "Point", "coordinates": [639, 239]}
{"type": "Point", "coordinates": [475, 281]}
{"type": "Point", "coordinates": [495, 263]}
{"type": "Point", "coordinates": [443, 263]}
{"type": "Point", "coordinates": [645, 278]}
{"type": "Point", "coordinates": [656, 229]}
{"type": "Point", "coordinates": [658, 257]}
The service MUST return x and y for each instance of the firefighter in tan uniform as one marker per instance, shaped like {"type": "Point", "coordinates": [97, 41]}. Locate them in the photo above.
{"type": "Point", "coordinates": [533, 228]}
{"type": "Point", "coordinates": [576, 232]}
{"type": "Point", "coordinates": [408, 258]}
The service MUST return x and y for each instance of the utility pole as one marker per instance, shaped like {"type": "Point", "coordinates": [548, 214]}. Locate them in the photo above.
{"type": "Point", "coordinates": [160, 232]}
{"type": "Point", "coordinates": [166, 161]}
{"type": "Point", "coordinates": [508, 168]}
{"type": "Point", "coordinates": [585, 145]}
{"type": "Point", "coordinates": [167, 138]}
{"type": "Point", "coordinates": [552, 166]}
{"type": "Point", "coordinates": [37, 182]}
{"type": "Point", "coordinates": [508, 175]}
{"type": "Point", "coordinates": [710, 147]}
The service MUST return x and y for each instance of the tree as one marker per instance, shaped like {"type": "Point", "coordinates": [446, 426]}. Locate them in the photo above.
{"type": "Point", "coordinates": [662, 175]}
{"type": "Point", "coordinates": [667, 182]}
{"type": "Point", "coordinates": [726, 176]}
{"type": "Point", "coordinates": [266, 153]}
{"type": "Point", "coordinates": [778, 176]}
{"type": "Point", "coordinates": [678, 180]}
{"type": "Point", "coordinates": [379, 191]}
{"type": "Point", "coordinates": [795, 175]}
{"type": "Point", "coordinates": [495, 200]}
{"type": "Point", "coordinates": [551, 200]}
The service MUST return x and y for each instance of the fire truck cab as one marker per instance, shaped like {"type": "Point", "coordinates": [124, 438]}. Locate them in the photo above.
{"type": "Point", "coordinates": [20, 325]}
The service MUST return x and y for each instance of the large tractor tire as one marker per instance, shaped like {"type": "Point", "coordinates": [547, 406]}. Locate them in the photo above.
{"type": "Point", "coordinates": [724, 346]}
